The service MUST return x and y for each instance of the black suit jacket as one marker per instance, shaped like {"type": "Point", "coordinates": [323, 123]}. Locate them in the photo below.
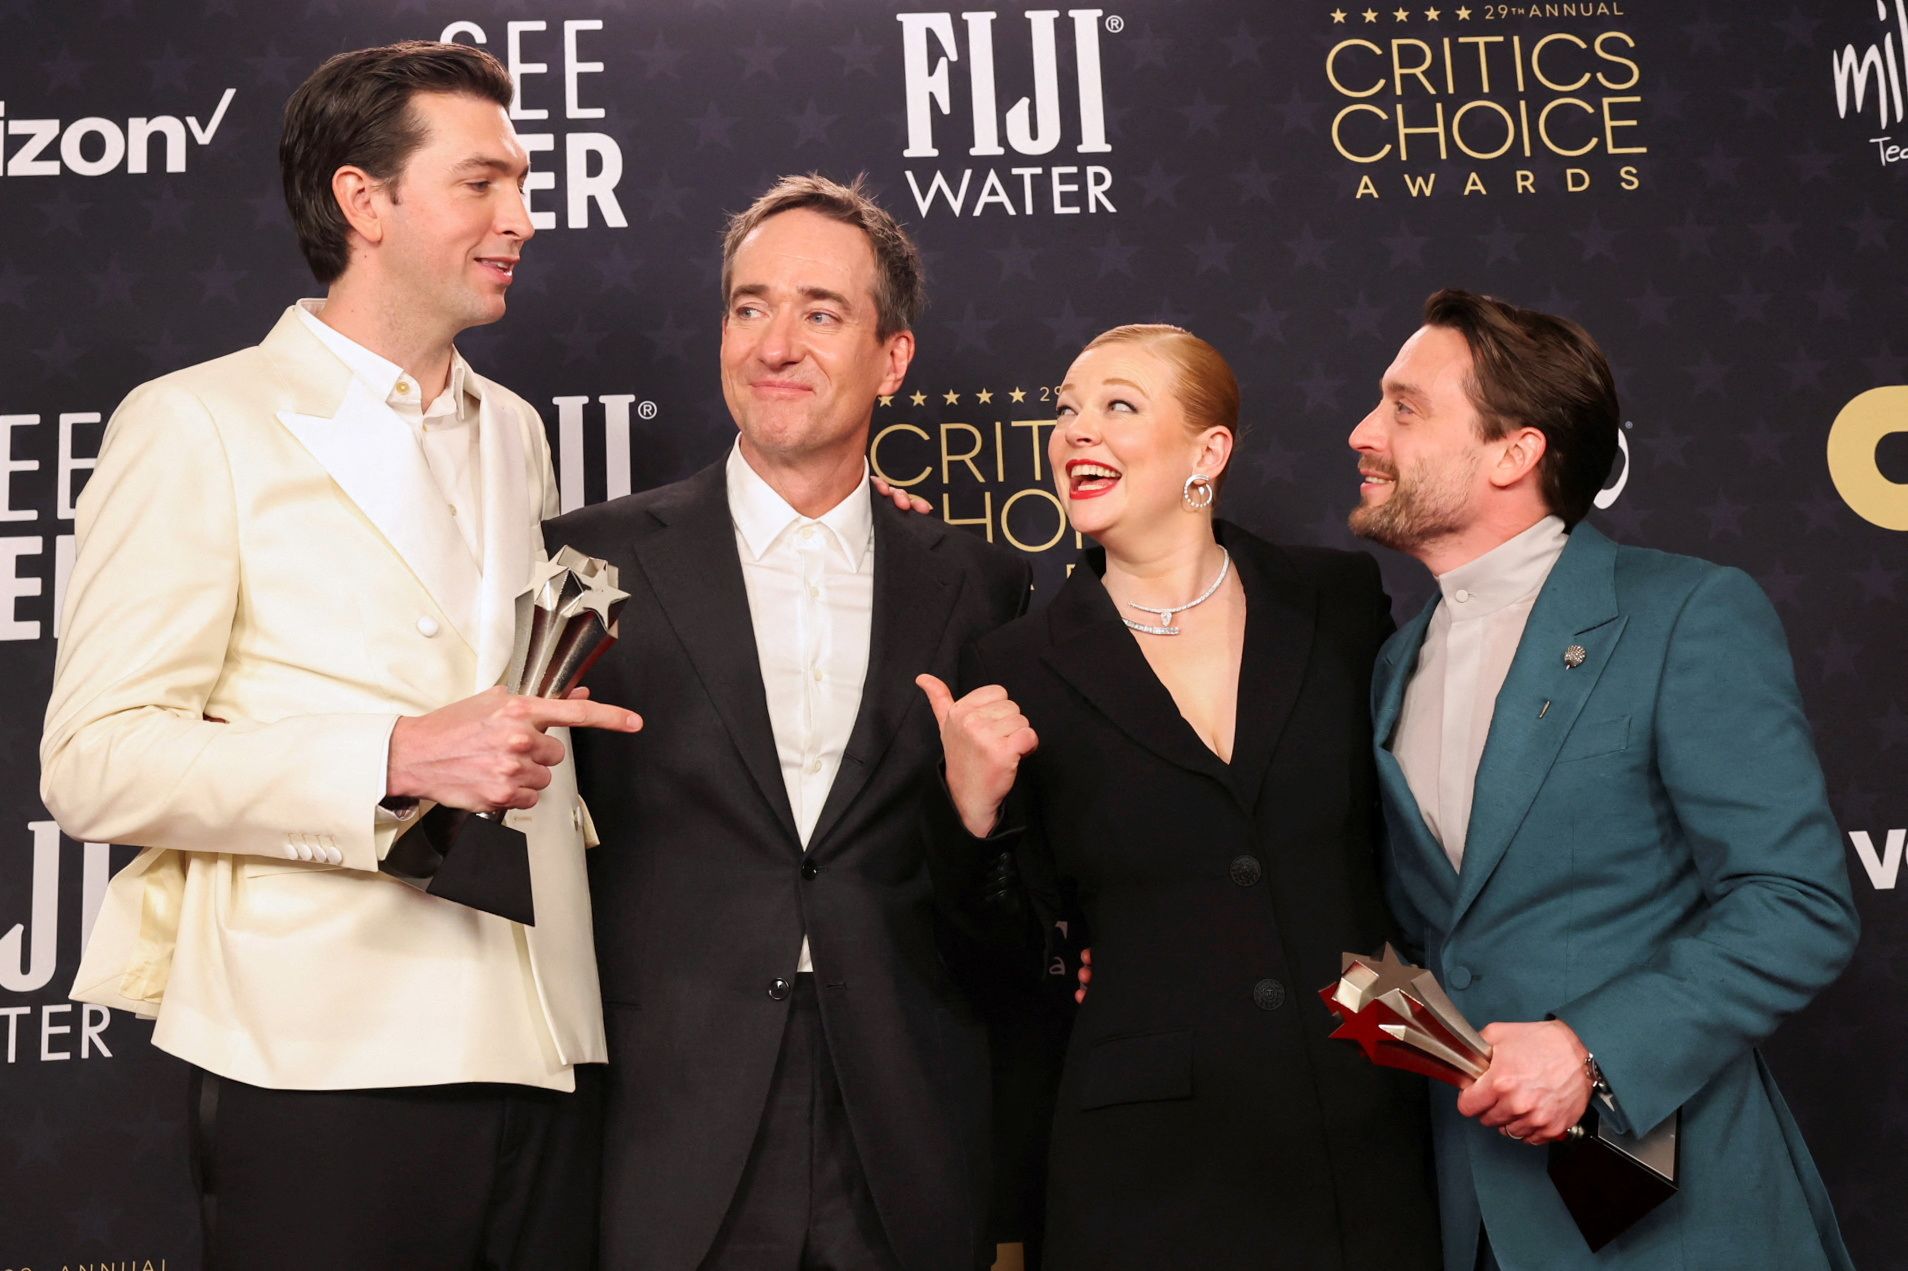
{"type": "Point", "coordinates": [1205, 1119]}
{"type": "Point", "coordinates": [702, 893]}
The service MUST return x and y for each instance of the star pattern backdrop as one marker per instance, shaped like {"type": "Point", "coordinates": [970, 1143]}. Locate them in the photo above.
{"type": "Point", "coordinates": [1701, 185]}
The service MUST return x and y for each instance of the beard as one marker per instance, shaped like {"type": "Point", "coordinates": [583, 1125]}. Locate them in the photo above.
{"type": "Point", "coordinates": [1428, 504]}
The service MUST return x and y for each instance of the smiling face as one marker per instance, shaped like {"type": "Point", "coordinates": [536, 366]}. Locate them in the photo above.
{"type": "Point", "coordinates": [1122, 447]}
{"type": "Point", "coordinates": [802, 363]}
{"type": "Point", "coordinates": [1420, 450]}
{"type": "Point", "coordinates": [453, 221]}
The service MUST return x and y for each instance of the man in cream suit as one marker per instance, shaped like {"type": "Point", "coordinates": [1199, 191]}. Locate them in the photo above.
{"type": "Point", "coordinates": [292, 601]}
{"type": "Point", "coordinates": [1609, 836]}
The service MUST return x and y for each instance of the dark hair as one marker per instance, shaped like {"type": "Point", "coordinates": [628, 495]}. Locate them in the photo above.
{"type": "Point", "coordinates": [900, 286]}
{"type": "Point", "coordinates": [1535, 370]}
{"type": "Point", "coordinates": [1203, 381]}
{"type": "Point", "coordinates": [356, 110]}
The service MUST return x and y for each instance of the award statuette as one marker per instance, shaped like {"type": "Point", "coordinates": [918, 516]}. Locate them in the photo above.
{"type": "Point", "coordinates": [1400, 1016]}
{"type": "Point", "coordinates": [566, 620]}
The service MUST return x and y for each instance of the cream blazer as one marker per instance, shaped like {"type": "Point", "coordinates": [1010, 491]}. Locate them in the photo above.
{"type": "Point", "coordinates": [266, 578]}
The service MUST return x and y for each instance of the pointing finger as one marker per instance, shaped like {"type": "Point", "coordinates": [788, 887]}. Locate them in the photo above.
{"type": "Point", "coordinates": [564, 713]}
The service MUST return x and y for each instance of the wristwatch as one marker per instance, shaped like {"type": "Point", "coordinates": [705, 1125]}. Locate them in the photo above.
{"type": "Point", "coordinates": [1595, 1074]}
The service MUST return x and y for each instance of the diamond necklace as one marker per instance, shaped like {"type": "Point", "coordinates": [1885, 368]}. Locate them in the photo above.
{"type": "Point", "coordinates": [1166, 627]}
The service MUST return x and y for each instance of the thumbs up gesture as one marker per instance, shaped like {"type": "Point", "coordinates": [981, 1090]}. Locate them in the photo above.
{"type": "Point", "coordinates": [984, 737]}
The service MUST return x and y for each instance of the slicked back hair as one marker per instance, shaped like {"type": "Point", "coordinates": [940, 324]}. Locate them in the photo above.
{"type": "Point", "coordinates": [1536, 370]}
{"type": "Point", "coordinates": [356, 110]}
{"type": "Point", "coordinates": [1207, 389]}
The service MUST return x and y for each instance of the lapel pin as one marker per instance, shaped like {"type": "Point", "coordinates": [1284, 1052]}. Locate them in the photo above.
{"type": "Point", "coordinates": [1574, 656]}
{"type": "Point", "coordinates": [1546, 710]}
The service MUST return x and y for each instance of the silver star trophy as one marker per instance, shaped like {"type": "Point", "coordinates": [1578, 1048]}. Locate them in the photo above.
{"type": "Point", "coordinates": [566, 620]}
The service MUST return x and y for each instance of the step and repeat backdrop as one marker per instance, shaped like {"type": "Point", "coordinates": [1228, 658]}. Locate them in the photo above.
{"type": "Point", "coordinates": [1718, 191]}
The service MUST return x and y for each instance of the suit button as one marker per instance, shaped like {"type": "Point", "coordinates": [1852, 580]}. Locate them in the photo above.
{"type": "Point", "coordinates": [1268, 995]}
{"type": "Point", "coordinates": [427, 626]}
{"type": "Point", "coordinates": [810, 869]}
{"type": "Point", "coordinates": [1245, 870]}
{"type": "Point", "coordinates": [778, 989]}
{"type": "Point", "coordinates": [1461, 977]}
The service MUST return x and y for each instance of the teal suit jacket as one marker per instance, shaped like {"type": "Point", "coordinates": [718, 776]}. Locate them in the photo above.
{"type": "Point", "coordinates": [1653, 861]}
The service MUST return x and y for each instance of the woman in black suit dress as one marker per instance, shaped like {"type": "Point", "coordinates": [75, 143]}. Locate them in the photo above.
{"type": "Point", "coordinates": [1195, 786]}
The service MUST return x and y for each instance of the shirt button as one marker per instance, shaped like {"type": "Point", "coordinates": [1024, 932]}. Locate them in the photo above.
{"type": "Point", "coordinates": [810, 869]}
{"type": "Point", "coordinates": [453, 508]}
{"type": "Point", "coordinates": [815, 767]}
{"type": "Point", "coordinates": [1461, 977]}
{"type": "Point", "coordinates": [1268, 994]}
{"type": "Point", "coordinates": [427, 626]}
{"type": "Point", "coordinates": [778, 989]}
{"type": "Point", "coordinates": [817, 673]}
{"type": "Point", "coordinates": [1461, 595]}
{"type": "Point", "coordinates": [403, 386]}
{"type": "Point", "coordinates": [814, 593]}
{"type": "Point", "coordinates": [807, 534]}
{"type": "Point", "coordinates": [1245, 870]}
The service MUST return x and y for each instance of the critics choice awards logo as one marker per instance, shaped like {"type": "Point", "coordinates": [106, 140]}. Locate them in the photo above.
{"type": "Point", "coordinates": [1486, 99]}
{"type": "Point", "coordinates": [984, 450]}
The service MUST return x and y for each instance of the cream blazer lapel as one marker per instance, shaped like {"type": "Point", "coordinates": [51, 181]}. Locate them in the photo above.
{"type": "Point", "coordinates": [511, 511]}
{"type": "Point", "coordinates": [376, 462]}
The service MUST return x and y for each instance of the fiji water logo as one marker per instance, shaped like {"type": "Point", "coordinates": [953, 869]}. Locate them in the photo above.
{"type": "Point", "coordinates": [1032, 126]}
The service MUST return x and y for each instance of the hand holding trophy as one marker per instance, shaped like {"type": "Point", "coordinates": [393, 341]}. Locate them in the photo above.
{"type": "Point", "coordinates": [1402, 1018]}
{"type": "Point", "coordinates": [566, 620]}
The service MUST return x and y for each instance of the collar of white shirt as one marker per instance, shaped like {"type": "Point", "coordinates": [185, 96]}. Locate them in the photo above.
{"type": "Point", "coordinates": [1509, 572]}
{"type": "Point", "coordinates": [762, 516]}
{"type": "Point", "coordinates": [387, 381]}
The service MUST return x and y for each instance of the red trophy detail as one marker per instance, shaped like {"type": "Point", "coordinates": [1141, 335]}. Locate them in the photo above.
{"type": "Point", "coordinates": [1400, 1016]}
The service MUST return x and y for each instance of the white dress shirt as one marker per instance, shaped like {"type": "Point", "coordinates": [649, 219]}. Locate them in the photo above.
{"type": "Point", "coordinates": [1467, 652]}
{"type": "Point", "coordinates": [810, 585]}
{"type": "Point", "coordinates": [446, 429]}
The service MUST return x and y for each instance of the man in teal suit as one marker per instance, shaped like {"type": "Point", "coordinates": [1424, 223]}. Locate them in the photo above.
{"type": "Point", "coordinates": [1609, 836]}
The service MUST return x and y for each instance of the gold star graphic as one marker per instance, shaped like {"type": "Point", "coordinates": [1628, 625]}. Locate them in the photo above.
{"type": "Point", "coordinates": [887, 399]}
{"type": "Point", "coordinates": [919, 399]}
{"type": "Point", "coordinates": [1338, 17]}
{"type": "Point", "coordinates": [985, 396]}
{"type": "Point", "coordinates": [1399, 15]}
{"type": "Point", "coordinates": [950, 397]}
{"type": "Point", "coordinates": [1430, 15]}
{"type": "Point", "coordinates": [1464, 15]}
{"type": "Point", "coordinates": [1370, 15]}
{"type": "Point", "coordinates": [1018, 395]}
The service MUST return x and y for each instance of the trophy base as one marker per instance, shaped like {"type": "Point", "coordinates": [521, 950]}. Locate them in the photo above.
{"type": "Point", "coordinates": [1610, 1181]}
{"type": "Point", "coordinates": [473, 861]}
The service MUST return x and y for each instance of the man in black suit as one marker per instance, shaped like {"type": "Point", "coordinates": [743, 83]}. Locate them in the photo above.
{"type": "Point", "coordinates": [795, 1079]}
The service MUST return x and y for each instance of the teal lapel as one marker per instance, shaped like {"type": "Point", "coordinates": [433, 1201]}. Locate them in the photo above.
{"type": "Point", "coordinates": [1577, 606]}
{"type": "Point", "coordinates": [1396, 661]}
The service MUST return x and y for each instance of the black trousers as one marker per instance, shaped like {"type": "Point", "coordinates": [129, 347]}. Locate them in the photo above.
{"type": "Point", "coordinates": [424, 1178]}
{"type": "Point", "coordinates": [803, 1202]}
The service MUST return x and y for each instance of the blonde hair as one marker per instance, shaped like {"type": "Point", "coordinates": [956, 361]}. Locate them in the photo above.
{"type": "Point", "coordinates": [1207, 389]}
